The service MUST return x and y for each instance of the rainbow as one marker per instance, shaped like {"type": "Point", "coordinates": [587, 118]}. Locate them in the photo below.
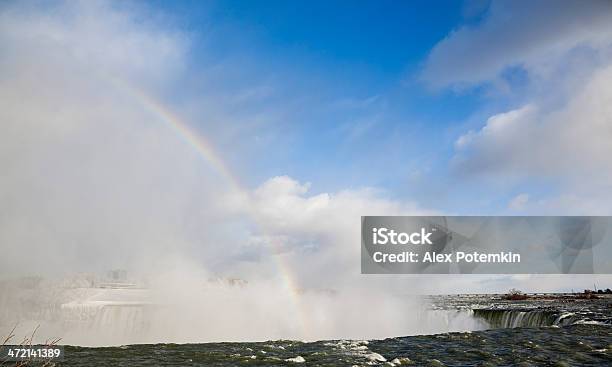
{"type": "Point", "coordinates": [206, 151]}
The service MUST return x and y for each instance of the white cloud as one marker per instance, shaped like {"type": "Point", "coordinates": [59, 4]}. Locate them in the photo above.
{"type": "Point", "coordinates": [560, 134]}
{"type": "Point", "coordinates": [93, 37]}
{"type": "Point", "coordinates": [570, 142]}
{"type": "Point", "coordinates": [561, 130]}
{"type": "Point", "coordinates": [534, 35]}
{"type": "Point", "coordinates": [318, 233]}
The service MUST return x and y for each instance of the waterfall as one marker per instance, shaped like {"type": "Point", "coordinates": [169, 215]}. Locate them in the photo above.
{"type": "Point", "coordinates": [120, 320]}
{"type": "Point", "coordinates": [102, 322]}
{"type": "Point", "coordinates": [504, 318]}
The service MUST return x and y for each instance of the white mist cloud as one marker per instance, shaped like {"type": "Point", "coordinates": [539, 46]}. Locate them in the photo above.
{"type": "Point", "coordinates": [91, 179]}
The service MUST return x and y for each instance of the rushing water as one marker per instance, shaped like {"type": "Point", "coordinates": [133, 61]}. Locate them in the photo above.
{"type": "Point", "coordinates": [537, 311]}
{"type": "Point", "coordinates": [550, 331]}
{"type": "Point", "coordinates": [577, 345]}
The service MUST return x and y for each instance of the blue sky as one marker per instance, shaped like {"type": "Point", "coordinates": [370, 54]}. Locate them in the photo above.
{"type": "Point", "coordinates": [356, 113]}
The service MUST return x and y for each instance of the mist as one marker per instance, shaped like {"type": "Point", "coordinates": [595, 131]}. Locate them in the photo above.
{"type": "Point", "coordinates": [94, 181]}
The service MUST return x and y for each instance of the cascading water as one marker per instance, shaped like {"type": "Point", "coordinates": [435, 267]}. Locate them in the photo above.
{"type": "Point", "coordinates": [100, 323]}
{"type": "Point", "coordinates": [121, 320]}
{"type": "Point", "coordinates": [505, 318]}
